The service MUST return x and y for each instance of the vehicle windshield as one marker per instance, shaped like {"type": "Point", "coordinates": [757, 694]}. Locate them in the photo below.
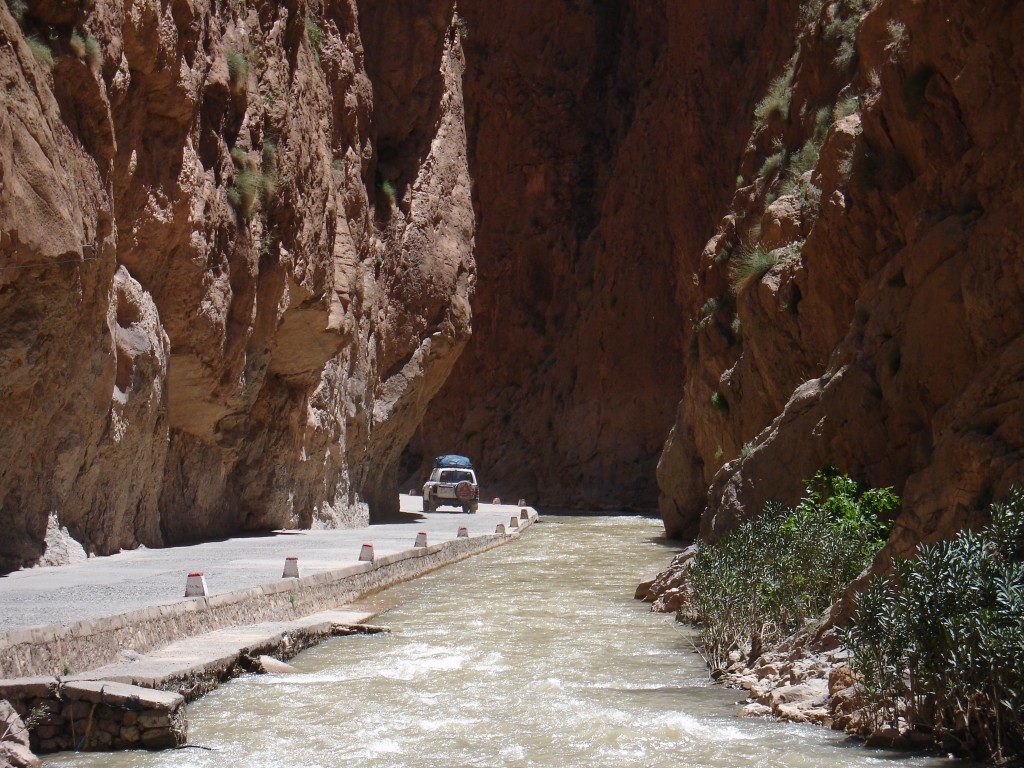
{"type": "Point", "coordinates": [456, 476]}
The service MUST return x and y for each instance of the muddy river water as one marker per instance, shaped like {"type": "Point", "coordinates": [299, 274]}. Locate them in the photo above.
{"type": "Point", "coordinates": [534, 654]}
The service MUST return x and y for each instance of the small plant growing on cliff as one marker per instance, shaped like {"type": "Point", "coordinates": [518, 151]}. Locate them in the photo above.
{"type": "Point", "coordinates": [751, 265]}
{"type": "Point", "coordinates": [707, 311]}
{"type": "Point", "coordinates": [776, 102]}
{"type": "Point", "coordinates": [18, 9]}
{"type": "Point", "coordinates": [238, 70]}
{"type": "Point", "coordinates": [315, 35]}
{"type": "Point", "coordinates": [86, 47]}
{"type": "Point", "coordinates": [462, 27]}
{"type": "Point", "coordinates": [719, 402]}
{"type": "Point", "coordinates": [387, 189]}
{"type": "Point", "coordinates": [40, 50]}
{"type": "Point", "coordinates": [940, 642]}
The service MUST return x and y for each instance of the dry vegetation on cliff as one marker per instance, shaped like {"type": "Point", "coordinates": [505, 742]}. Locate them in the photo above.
{"type": "Point", "coordinates": [210, 320]}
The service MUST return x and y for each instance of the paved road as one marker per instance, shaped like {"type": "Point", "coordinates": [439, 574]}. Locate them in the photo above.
{"type": "Point", "coordinates": [104, 586]}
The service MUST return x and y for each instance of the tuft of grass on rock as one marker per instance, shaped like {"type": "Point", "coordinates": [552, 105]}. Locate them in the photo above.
{"type": "Point", "coordinates": [387, 189]}
{"type": "Point", "coordinates": [238, 70]}
{"type": "Point", "coordinates": [40, 50]}
{"type": "Point", "coordinates": [315, 35]}
{"type": "Point", "coordinates": [777, 101]}
{"type": "Point", "coordinates": [751, 265]}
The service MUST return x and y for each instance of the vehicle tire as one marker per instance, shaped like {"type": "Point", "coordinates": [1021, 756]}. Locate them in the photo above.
{"type": "Point", "coordinates": [474, 507]}
{"type": "Point", "coordinates": [429, 506]}
{"type": "Point", "coordinates": [466, 509]}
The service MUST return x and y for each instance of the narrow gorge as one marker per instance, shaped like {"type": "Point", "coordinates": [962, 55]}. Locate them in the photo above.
{"type": "Point", "coordinates": [260, 262]}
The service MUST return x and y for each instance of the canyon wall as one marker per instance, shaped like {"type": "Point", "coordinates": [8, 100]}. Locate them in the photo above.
{"type": "Point", "coordinates": [604, 138]}
{"type": "Point", "coordinates": [883, 331]}
{"type": "Point", "coordinates": [237, 262]}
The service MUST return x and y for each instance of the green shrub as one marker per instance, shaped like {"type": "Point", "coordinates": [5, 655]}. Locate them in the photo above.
{"type": "Point", "coordinates": [782, 568]}
{"type": "Point", "coordinates": [238, 71]}
{"type": "Point", "coordinates": [940, 642]}
{"type": "Point", "coordinates": [41, 51]}
{"type": "Point", "coordinates": [461, 26]}
{"type": "Point", "coordinates": [751, 264]}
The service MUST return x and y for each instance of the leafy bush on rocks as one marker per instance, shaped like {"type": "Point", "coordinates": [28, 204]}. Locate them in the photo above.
{"type": "Point", "coordinates": [939, 644]}
{"type": "Point", "coordinates": [781, 569]}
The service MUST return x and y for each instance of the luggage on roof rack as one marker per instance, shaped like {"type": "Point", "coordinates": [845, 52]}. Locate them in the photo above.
{"type": "Point", "coordinates": [453, 460]}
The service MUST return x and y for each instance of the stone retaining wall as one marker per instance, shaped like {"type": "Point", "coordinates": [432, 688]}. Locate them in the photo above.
{"type": "Point", "coordinates": [83, 645]}
{"type": "Point", "coordinates": [87, 715]}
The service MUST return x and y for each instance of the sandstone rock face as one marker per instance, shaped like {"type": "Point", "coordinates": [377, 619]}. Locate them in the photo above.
{"type": "Point", "coordinates": [237, 262]}
{"type": "Point", "coordinates": [888, 338]}
{"type": "Point", "coordinates": [603, 142]}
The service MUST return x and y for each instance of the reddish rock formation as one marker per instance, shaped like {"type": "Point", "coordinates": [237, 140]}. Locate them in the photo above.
{"type": "Point", "coordinates": [237, 262]}
{"type": "Point", "coordinates": [888, 339]}
{"type": "Point", "coordinates": [604, 139]}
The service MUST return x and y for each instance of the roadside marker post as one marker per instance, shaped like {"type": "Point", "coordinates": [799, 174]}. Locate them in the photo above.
{"type": "Point", "coordinates": [524, 514]}
{"type": "Point", "coordinates": [513, 522]}
{"type": "Point", "coordinates": [291, 568]}
{"type": "Point", "coordinates": [522, 502]}
{"type": "Point", "coordinates": [421, 539]}
{"type": "Point", "coordinates": [496, 500]}
{"type": "Point", "coordinates": [499, 528]}
{"type": "Point", "coordinates": [366, 553]}
{"type": "Point", "coordinates": [195, 585]}
{"type": "Point", "coordinates": [463, 533]}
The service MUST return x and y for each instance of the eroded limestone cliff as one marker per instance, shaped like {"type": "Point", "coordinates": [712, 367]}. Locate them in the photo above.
{"type": "Point", "coordinates": [237, 261]}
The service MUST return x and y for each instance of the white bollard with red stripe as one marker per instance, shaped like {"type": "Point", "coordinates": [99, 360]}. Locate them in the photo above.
{"type": "Point", "coordinates": [421, 539]}
{"type": "Point", "coordinates": [463, 533]}
{"type": "Point", "coordinates": [366, 553]}
{"type": "Point", "coordinates": [499, 528]}
{"type": "Point", "coordinates": [195, 585]}
{"type": "Point", "coordinates": [291, 568]}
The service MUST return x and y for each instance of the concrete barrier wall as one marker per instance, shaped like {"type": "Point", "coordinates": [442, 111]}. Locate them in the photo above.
{"type": "Point", "coordinates": [84, 645]}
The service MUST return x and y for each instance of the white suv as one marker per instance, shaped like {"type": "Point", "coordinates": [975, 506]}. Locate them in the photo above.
{"type": "Point", "coordinates": [451, 487]}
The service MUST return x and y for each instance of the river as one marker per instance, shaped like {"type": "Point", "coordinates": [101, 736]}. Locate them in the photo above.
{"type": "Point", "coordinates": [533, 654]}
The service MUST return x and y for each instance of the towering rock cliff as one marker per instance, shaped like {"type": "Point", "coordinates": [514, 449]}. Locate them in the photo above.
{"type": "Point", "coordinates": [236, 261]}
{"type": "Point", "coordinates": [604, 138]}
{"type": "Point", "coordinates": [882, 330]}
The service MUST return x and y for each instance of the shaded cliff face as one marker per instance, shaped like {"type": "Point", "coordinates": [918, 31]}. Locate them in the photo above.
{"type": "Point", "coordinates": [237, 262]}
{"type": "Point", "coordinates": [603, 141]}
{"type": "Point", "coordinates": [888, 337]}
